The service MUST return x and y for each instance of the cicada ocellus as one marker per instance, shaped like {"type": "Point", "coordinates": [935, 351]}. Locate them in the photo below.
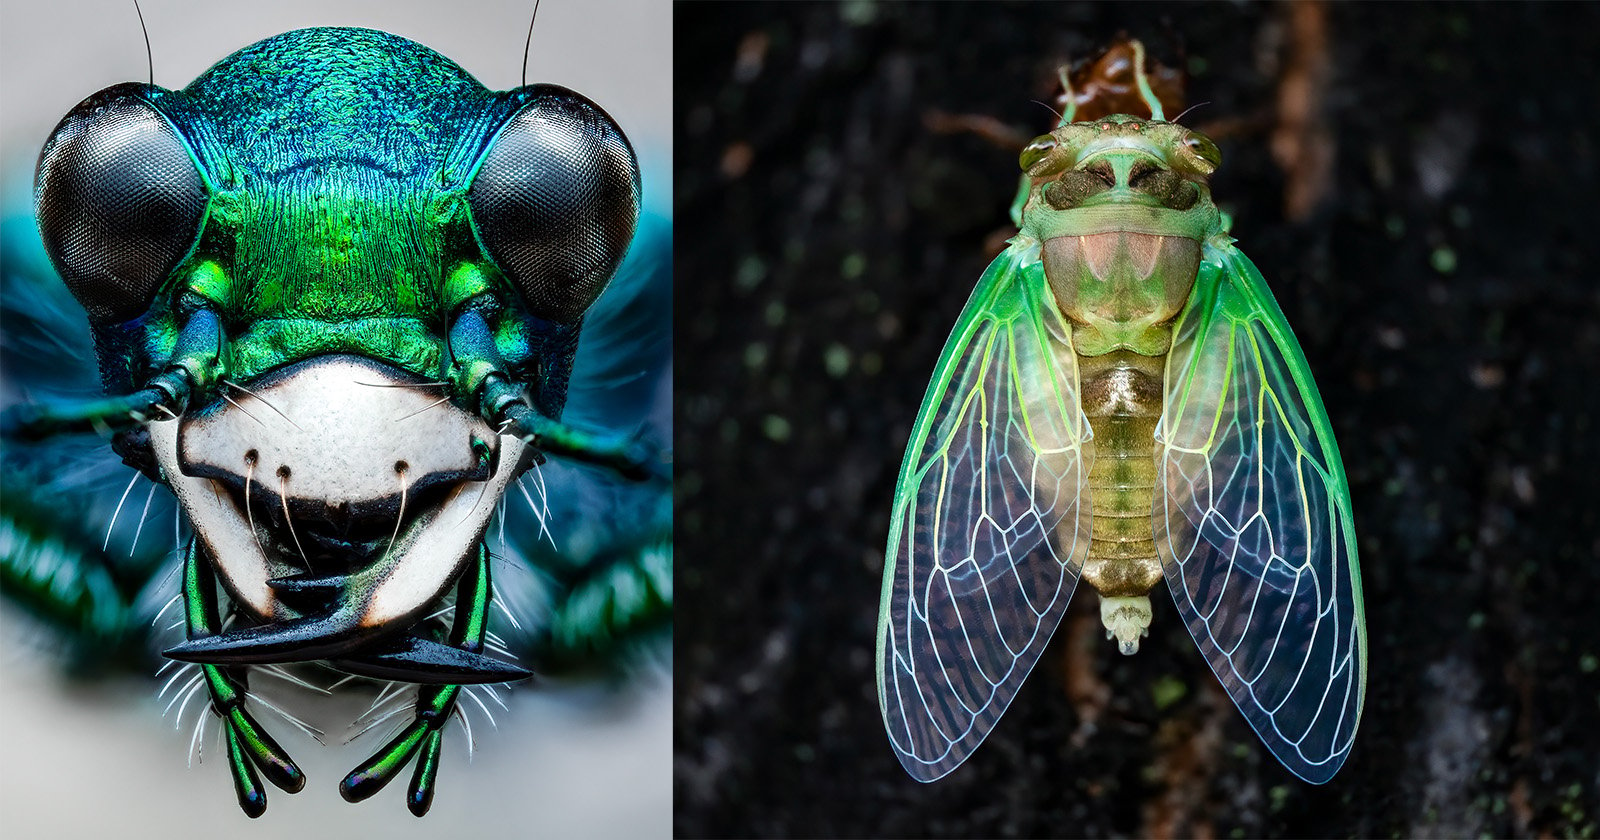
{"type": "Point", "coordinates": [1121, 401]}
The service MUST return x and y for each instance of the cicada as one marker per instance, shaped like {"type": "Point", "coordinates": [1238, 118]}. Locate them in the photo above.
{"type": "Point", "coordinates": [336, 288]}
{"type": "Point", "coordinates": [1121, 402]}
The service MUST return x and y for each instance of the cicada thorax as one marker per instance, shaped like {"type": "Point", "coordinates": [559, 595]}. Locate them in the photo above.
{"type": "Point", "coordinates": [1121, 210]}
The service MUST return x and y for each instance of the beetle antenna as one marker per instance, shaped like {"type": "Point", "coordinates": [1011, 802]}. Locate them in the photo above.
{"type": "Point", "coordinates": [149, 57]}
{"type": "Point", "coordinates": [528, 44]}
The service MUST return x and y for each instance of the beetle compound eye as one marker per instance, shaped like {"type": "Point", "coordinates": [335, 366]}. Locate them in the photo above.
{"type": "Point", "coordinates": [555, 202]}
{"type": "Point", "coordinates": [120, 202]}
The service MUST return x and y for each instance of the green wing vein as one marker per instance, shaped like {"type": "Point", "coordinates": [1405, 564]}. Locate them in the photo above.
{"type": "Point", "coordinates": [987, 533]}
{"type": "Point", "coordinates": [1254, 524]}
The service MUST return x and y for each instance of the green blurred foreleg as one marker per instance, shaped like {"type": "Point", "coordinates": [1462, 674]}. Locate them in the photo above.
{"type": "Point", "coordinates": [435, 703]}
{"type": "Point", "coordinates": [249, 746]}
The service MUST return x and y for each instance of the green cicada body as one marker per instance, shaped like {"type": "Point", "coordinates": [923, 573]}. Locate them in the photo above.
{"type": "Point", "coordinates": [336, 288]}
{"type": "Point", "coordinates": [1121, 402]}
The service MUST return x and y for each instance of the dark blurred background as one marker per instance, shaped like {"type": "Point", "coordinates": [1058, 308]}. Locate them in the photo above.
{"type": "Point", "coordinates": [1417, 182]}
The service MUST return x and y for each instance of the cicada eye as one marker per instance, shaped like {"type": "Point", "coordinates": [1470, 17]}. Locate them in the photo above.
{"type": "Point", "coordinates": [1203, 149]}
{"type": "Point", "coordinates": [1038, 151]}
{"type": "Point", "coordinates": [555, 202]}
{"type": "Point", "coordinates": [120, 202]}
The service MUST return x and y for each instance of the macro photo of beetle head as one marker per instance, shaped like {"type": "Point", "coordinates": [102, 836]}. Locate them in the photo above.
{"type": "Point", "coordinates": [1080, 419]}
{"type": "Point", "coordinates": [337, 418]}
{"type": "Point", "coordinates": [1162, 420]}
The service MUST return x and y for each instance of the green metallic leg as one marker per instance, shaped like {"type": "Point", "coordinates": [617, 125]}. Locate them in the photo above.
{"type": "Point", "coordinates": [627, 457]}
{"type": "Point", "coordinates": [249, 746]}
{"type": "Point", "coordinates": [619, 599]}
{"type": "Point", "coordinates": [482, 372]}
{"type": "Point", "coordinates": [193, 369]}
{"type": "Point", "coordinates": [61, 577]}
{"type": "Point", "coordinates": [252, 799]}
{"type": "Point", "coordinates": [434, 706]}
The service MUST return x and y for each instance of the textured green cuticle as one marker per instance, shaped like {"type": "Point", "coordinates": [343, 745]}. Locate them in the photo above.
{"type": "Point", "coordinates": [464, 282]}
{"type": "Point", "coordinates": [210, 280]}
{"type": "Point", "coordinates": [336, 236]}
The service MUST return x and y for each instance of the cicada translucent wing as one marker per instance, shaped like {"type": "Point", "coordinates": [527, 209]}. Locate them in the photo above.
{"type": "Point", "coordinates": [1121, 402]}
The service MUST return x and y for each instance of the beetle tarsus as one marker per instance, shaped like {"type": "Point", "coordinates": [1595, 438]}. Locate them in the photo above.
{"type": "Point", "coordinates": [419, 798]}
{"type": "Point", "coordinates": [252, 799]}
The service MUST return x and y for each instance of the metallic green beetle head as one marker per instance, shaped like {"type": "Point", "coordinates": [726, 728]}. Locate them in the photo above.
{"type": "Point", "coordinates": [337, 190]}
{"type": "Point", "coordinates": [341, 257]}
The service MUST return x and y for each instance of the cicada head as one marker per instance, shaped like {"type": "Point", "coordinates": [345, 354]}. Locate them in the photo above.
{"type": "Point", "coordinates": [1124, 160]}
{"type": "Point", "coordinates": [1121, 207]}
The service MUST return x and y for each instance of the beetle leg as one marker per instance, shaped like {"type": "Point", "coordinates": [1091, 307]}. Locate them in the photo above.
{"type": "Point", "coordinates": [54, 570]}
{"type": "Point", "coordinates": [249, 746]}
{"type": "Point", "coordinates": [435, 703]}
{"type": "Point", "coordinates": [196, 360]}
{"type": "Point", "coordinates": [627, 457]}
{"type": "Point", "coordinates": [502, 402]}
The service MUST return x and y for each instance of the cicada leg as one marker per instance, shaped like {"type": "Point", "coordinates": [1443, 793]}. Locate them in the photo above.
{"type": "Point", "coordinates": [435, 704]}
{"type": "Point", "coordinates": [249, 746]}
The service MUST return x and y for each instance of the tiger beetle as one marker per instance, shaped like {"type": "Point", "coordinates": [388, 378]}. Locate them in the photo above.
{"type": "Point", "coordinates": [336, 287]}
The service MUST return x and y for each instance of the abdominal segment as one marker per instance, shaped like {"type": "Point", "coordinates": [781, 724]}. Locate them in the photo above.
{"type": "Point", "coordinates": [1121, 291]}
{"type": "Point", "coordinates": [1121, 394]}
